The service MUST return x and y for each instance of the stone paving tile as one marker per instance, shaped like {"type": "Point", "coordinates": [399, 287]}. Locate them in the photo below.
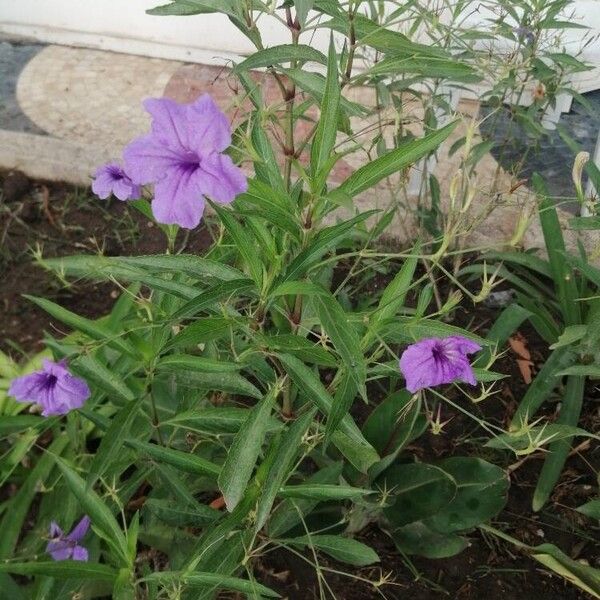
{"type": "Point", "coordinates": [13, 57]}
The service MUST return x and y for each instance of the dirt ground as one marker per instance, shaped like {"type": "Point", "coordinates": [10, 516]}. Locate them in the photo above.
{"type": "Point", "coordinates": [60, 220]}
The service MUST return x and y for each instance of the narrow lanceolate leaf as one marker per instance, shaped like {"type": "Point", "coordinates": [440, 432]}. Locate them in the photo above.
{"type": "Point", "coordinates": [348, 438]}
{"type": "Point", "coordinates": [113, 439]}
{"type": "Point", "coordinates": [393, 297]}
{"type": "Point", "coordinates": [326, 132]}
{"type": "Point", "coordinates": [343, 549]}
{"type": "Point", "coordinates": [91, 328]}
{"type": "Point", "coordinates": [280, 470]}
{"type": "Point", "coordinates": [244, 243]}
{"type": "Point", "coordinates": [323, 491]}
{"type": "Point", "coordinates": [61, 569]}
{"type": "Point", "coordinates": [93, 371]}
{"type": "Point", "coordinates": [325, 240]}
{"type": "Point", "coordinates": [184, 461]}
{"type": "Point", "coordinates": [273, 205]}
{"type": "Point", "coordinates": [205, 374]}
{"type": "Point", "coordinates": [394, 161]}
{"type": "Point", "coordinates": [19, 505]}
{"type": "Point", "coordinates": [216, 419]}
{"type": "Point", "coordinates": [217, 580]}
{"type": "Point", "coordinates": [276, 55]}
{"type": "Point", "coordinates": [207, 299]}
{"type": "Point", "coordinates": [102, 518]}
{"type": "Point", "coordinates": [204, 330]}
{"type": "Point", "coordinates": [245, 449]}
{"type": "Point", "coordinates": [555, 459]}
{"type": "Point", "coordinates": [335, 323]}
{"type": "Point", "coordinates": [562, 272]}
{"type": "Point", "coordinates": [342, 402]}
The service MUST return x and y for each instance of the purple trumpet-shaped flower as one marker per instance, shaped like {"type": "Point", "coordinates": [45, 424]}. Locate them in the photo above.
{"type": "Point", "coordinates": [112, 179]}
{"type": "Point", "coordinates": [435, 361]}
{"type": "Point", "coordinates": [64, 547]}
{"type": "Point", "coordinates": [183, 157]}
{"type": "Point", "coordinates": [52, 387]}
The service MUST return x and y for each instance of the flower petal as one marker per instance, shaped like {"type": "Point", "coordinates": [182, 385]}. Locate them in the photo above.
{"type": "Point", "coordinates": [27, 388]}
{"type": "Point", "coordinates": [80, 553]}
{"type": "Point", "coordinates": [147, 160]}
{"type": "Point", "coordinates": [463, 344]}
{"type": "Point", "coordinates": [79, 530]}
{"type": "Point", "coordinates": [170, 123]}
{"type": "Point", "coordinates": [221, 179]}
{"type": "Point", "coordinates": [178, 199]}
{"type": "Point", "coordinates": [210, 128]}
{"type": "Point", "coordinates": [69, 393]}
{"type": "Point", "coordinates": [59, 549]}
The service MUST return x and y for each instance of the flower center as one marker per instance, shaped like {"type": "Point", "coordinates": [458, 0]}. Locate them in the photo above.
{"type": "Point", "coordinates": [438, 353]}
{"type": "Point", "coordinates": [51, 380]}
{"type": "Point", "coordinates": [190, 160]}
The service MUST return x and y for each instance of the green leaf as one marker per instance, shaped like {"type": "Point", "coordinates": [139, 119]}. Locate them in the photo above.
{"type": "Point", "coordinates": [112, 440]}
{"type": "Point", "coordinates": [216, 580]}
{"type": "Point", "coordinates": [315, 84]}
{"type": "Point", "coordinates": [276, 55]}
{"type": "Point", "coordinates": [590, 509]}
{"type": "Point", "coordinates": [205, 374]}
{"type": "Point", "coordinates": [102, 519]}
{"type": "Point", "coordinates": [245, 449]}
{"type": "Point", "coordinates": [571, 334]}
{"type": "Point", "coordinates": [335, 323]}
{"type": "Point", "coordinates": [394, 161]}
{"type": "Point", "coordinates": [393, 297]}
{"type": "Point", "coordinates": [93, 371]}
{"type": "Point", "coordinates": [18, 423]}
{"type": "Point", "coordinates": [417, 491]}
{"type": "Point", "coordinates": [245, 244]}
{"type": "Point", "coordinates": [360, 454]}
{"type": "Point", "coordinates": [62, 569]}
{"type": "Point", "coordinates": [325, 135]}
{"type": "Point", "coordinates": [299, 347]}
{"type": "Point", "coordinates": [418, 538]}
{"type": "Point", "coordinates": [342, 402]}
{"type": "Point", "coordinates": [174, 513]}
{"type": "Point", "coordinates": [91, 328]}
{"type": "Point", "coordinates": [303, 7]}
{"type": "Point", "coordinates": [553, 464]}
{"type": "Point", "coordinates": [280, 470]}
{"type": "Point", "coordinates": [291, 511]}
{"type": "Point", "coordinates": [340, 548]}
{"type": "Point", "coordinates": [184, 461]}
{"type": "Point", "coordinates": [481, 494]}
{"type": "Point", "coordinates": [273, 205]}
{"type": "Point", "coordinates": [324, 241]}
{"type": "Point", "coordinates": [424, 66]}
{"type": "Point", "coordinates": [532, 438]}
{"type": "Point", "coordinates": [225, 419]}
{"type": "Point", "coordinates": [19, 505]}
{"type": "Point", "coordinates": [203, 330]}
{"type": "Point", "coordinates": [207, 299]}
{"type": "Point", "coordinates": [541, 387]}
{"type": "Point", "coordinates": [562, 273]}
{"type": "Point", "coordinates": [323, 492]}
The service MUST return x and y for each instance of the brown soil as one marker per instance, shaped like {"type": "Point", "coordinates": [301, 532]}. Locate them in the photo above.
{"type": "Point", "coordinates": [64, 220]}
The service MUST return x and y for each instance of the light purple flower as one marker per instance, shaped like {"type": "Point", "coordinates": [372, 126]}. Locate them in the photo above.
{"type": "Point", "coordinates": [52, 387]}
{"type": "Point", "coordinates": [112, 179]}
{"type": "Point", "coordinates": [434, 361]}
{"type": "Point", "coordinates": [64, 547]}
{"type": "Point", "coordinates": [183, 157]}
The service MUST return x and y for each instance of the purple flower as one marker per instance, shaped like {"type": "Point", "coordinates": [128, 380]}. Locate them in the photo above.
{"type": "Point", "coordinates": [111, 179]}
{"type": "Point", "coordinates": [63, 547]}
{"type": "Point", "coordinates": [53, 388]}
{"type": "Point", "coordinates": [183, 157]}
{"type": "Point", "coordinates": [434, 361]}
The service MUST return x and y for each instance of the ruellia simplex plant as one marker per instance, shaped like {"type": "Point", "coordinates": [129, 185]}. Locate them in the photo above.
{"type": "Point", "coordinates": [218, 395]}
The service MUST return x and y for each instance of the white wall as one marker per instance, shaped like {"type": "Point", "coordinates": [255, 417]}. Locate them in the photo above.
{"type": "Point", "coordinates": [123, 26]}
